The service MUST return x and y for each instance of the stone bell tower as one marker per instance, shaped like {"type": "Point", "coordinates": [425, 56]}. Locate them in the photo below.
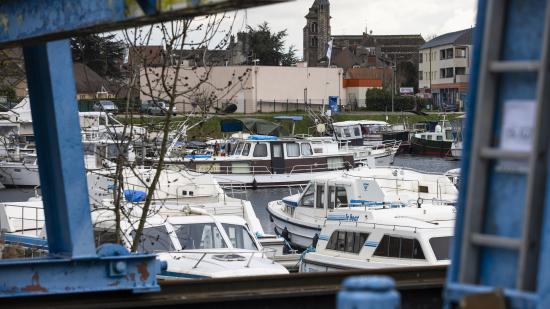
{"type": "Point", "coordinates": [317, 32]}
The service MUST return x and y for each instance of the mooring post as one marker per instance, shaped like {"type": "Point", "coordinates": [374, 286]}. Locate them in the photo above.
{"type": "Point", "coordinates": [372, 292]}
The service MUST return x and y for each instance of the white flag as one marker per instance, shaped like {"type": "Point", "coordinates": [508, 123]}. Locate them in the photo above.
{"type": "Point", "coordinates": [329, 51]}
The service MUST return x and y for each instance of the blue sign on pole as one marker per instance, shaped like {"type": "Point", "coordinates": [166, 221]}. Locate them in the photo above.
{"type": "Point", "coordinates": [333, 104]}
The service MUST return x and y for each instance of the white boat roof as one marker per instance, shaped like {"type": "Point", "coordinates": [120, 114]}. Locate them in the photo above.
{"type": "Point", "coordinates": [425, 217]}
{"type": "Point", "coordinates": [360, 122]}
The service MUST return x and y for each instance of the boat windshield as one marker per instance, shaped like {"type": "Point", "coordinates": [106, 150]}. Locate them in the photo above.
{"type": "Point", "coordinates": [155, 239]}
{"type": "Point", "coordinates": [239, 149]}
{"type": "Point", "coordinates": [441, 246]}
{"type": "Point", "coordinates": [449, 135]}
{"type": "Point", "coordinates": [239, 236]}
{"type": "Point", "coordinates": [199, 236]}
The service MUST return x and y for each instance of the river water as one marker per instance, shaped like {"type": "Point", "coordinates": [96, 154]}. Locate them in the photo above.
{"type": "Point", "coordinates": [260, 197]}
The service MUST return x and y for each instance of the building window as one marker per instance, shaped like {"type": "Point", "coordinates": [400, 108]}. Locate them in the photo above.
{"type": "Point", "coordinates": [449, 72]}
{"type": "Point", "coordinates": [420, 58]}
{"type": "Point", "coordinates": [314, 42]}
{"type": "Point", "coordinates": [441, 73]}
{"type": "Point", "coordinates": [314, 27]}
{"type": "Point", "coordinates": [460, 52]}
{"type": "Point", "coordinates": [349, 242]}
{"type": "Point", "coordinates": [420, 75]}
{"type": "Point", "coordinates": [460, 71]}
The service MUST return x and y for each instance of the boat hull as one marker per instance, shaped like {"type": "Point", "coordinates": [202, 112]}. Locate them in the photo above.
{"type": "Point", "coordinates": [430, 147]}
{"type": "Point", "coordinates": [20, 176]}
{"type": "Point", "coordinates": [300, 235]}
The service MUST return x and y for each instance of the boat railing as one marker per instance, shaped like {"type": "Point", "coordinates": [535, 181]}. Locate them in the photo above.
{"type": "Point", "coordinates": [264, 253]}
{"type": "Point", "coordinates": [230, 170]}
{"type": "Point", "coordinates": [28, 224]}
{"type": "Point", "coordinates": [394, 227]}
{"type": "Point", "coordinates": [324, 167]}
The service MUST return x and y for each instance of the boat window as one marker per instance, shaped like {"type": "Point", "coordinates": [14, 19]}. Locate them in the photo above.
{"type": "Point", "coordinates": [335, 163]}
{"type": "Point", "coordinates": [341, 197]}
{"type": "Point", "coordinates": [357, 131]}
{"type": "Point", "coordinates": [449, 135]}
{"type": "Point", "coordinates": [239, 236]}
{"type": "Point", "coordinates": [320, 202]}
{"type": "Point", "coordinates": [239, 149]}
{"type": "Point", "coordinates": [423, 136]}
{"type": "Point", "coordinates": [307, 198]}
{"type": "Point", "coordinates": [260, 150]}
{"type": "Point", "coordinates": [339, 133]}
{"type": "Point", "coordinates": [292, 150]}
{"type": "Point", "coordinates": [240, 168]}
{"type": "Point", "coordinates": [210, 168]}
{"type": "Point", "coordinates": [29, 160]}
{"type": "Point", "coordinates": [439, 138]}
{"type": "Point", "coordinates": [347, 132]}
{"type": "Point", "coordinates": [246, 149]}
{"type": "Point", "coordinates": [154, 239]}
{"type": "Point", "coordinates": [397, 247]}
{"type": "Point", "coordinates": [199, 236]}
{"type": "Point", "coordinates": [104, 237]}
{"type": "Point", "coordinates": [306, 149]}
{"type": "Point", "coordinates": [89, 149]}
{"type": "Point", "coordinates": [277, 150]}
{"type": "Point", "coordinates": [429, 137]}
{"type": "Point", "coordinates": [350, 242]}
{"type": "Point", "coordinates": [331, 197]}
{"type": "Point", "coordinates": [441, 246]}
{"type": "Point", "coordinates": [423, 189]}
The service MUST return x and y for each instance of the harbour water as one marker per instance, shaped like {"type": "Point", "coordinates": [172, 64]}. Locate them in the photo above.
{"type": "Point", "coordinates": [260, 197]}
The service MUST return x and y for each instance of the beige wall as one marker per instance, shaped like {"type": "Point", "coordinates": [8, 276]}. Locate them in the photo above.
{"type": "Point", "coordinates": [432, 63]}
{"type": "Point", "coordinates": [246, 85]}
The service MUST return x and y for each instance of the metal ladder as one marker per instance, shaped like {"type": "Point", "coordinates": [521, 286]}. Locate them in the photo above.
{"type": "Point", "coordinates": [484, 153]}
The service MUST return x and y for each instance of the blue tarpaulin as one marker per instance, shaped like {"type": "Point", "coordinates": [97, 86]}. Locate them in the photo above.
{"type": "Point", "coordinates": [262, 138]}
{"type": "Point", "coordinates": [134, 196]}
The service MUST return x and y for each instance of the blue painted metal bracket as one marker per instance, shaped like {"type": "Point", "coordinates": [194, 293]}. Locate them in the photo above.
{"type": "Point", "coordinates": [24, 277]}
{"type": "Point", "coordinates": [24, 21]}
{"type": "Point", "coordinates": [73, 265]}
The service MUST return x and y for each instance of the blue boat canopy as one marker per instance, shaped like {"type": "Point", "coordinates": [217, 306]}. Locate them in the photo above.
{"type": "Point", "coordinates": [293, 118]}
{"type": "Point", "coordinates": [262, 138]}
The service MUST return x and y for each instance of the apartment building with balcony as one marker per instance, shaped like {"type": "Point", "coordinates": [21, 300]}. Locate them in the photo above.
{"type": "Point", "coordinates": [444, 69]}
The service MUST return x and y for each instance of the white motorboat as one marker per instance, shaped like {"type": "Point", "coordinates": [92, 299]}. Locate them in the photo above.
{"type": "Point", "coordinates": [387, 238]}
{"type": "Point", "coordinates": [20, 173]}
{"type": "Point", "coordinates": [195, 244]}
{"type": "Point", "coordinates": [299, 218]}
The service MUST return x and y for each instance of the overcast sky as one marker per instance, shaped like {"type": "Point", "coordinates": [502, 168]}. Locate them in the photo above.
{"type": "Point", "coordinates": [425, 17]}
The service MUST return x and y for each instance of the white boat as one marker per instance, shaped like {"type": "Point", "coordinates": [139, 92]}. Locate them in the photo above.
{"type": "Point", "coordinates": [299, 218]}
{"type": "Point", "coordinates": [268, 161]}
{"type": "Point", "coordinates": [20, 173]}
{"type": "Point", "coordinates": [387, 238]}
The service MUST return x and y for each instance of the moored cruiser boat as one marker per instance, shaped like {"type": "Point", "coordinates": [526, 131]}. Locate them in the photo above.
{"type": "Point", "coordinates": [436, 143]}
{"type": "Point", "coordinates": [404, 237]}
{"type": "Point", "coordinates": [196, 245]}
{"type": "Point", "coordinates": [300, 217]}
{"type": "Point", "coordinates": [267, 161]}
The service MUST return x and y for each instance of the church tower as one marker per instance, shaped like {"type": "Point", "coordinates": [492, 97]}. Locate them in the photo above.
{"type": "Point", "coordinates": [316, 32]}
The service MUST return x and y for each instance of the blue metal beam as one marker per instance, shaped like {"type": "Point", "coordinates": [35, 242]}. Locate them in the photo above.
{"type": "Point", "coordinates": [24, 21]}
{"type": "Point", "coordinates": [56, 126]}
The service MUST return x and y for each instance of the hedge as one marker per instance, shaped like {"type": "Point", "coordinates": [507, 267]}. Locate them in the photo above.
{"type": "Point", "coordinates": [380, 100]}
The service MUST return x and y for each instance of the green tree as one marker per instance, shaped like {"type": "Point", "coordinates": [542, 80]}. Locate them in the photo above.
{"type": "Point", "coordinates": [102, 53]}
{"type": "Point", "coordinates": [268, 46]}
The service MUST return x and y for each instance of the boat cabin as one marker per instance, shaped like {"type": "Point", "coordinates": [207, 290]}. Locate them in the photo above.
{"type": "Point", "coordinates": [258, 154]}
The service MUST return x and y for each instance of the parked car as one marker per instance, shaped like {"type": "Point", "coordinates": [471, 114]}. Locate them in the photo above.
{"type": "Point", "coordinates": [105, 106]}
{"type": "Point", "coordinates": [153, 107]}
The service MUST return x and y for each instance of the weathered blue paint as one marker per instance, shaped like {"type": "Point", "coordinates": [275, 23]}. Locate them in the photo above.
{"type": "Point", "coordinates": [522, 40]}
{"type": "Point", "coordinates": [22, 277]}
{"type": "Point", "coordinates": [371, 292]}
{"type": "Point", "coordinates": [56, 125]}
{"type": "Point", "coordinates": [31, 20]}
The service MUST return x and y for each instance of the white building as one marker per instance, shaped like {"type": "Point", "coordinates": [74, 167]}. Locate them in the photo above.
{"type": "Point", "coordinates": [252, 88]}
{"type": "Point", "coordinates": [444, 68]}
